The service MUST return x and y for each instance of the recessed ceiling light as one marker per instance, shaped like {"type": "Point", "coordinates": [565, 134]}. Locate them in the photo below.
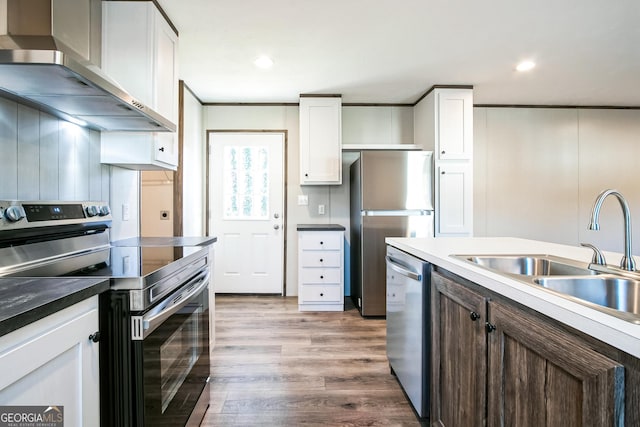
{"type": "Point", "coordinates": [525, 66]}
{"type": "Point", "coordinates": [263, 62]}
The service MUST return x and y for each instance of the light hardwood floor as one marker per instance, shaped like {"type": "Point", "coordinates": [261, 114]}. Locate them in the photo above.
{"type": "Point", "coordinates": [275, 366]}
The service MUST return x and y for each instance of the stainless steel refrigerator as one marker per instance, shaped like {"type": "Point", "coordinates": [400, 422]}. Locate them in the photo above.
{"type": "Point", "coordinates": [391, 196]}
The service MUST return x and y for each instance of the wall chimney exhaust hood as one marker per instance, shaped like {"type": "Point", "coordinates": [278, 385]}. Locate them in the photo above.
{"type": "Point", "coordinates": [45, 51]}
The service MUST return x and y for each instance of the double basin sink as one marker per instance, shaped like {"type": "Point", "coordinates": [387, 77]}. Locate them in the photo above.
{"type": "Point", "coordinates": [611, 293]}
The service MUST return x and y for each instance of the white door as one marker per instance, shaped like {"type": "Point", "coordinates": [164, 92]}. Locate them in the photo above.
{"type": "Point", "coordinates": [247, 211]}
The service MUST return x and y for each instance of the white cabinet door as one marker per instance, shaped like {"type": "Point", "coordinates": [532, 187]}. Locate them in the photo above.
{"type": "Point", "coordinates": [454, 193]}
{"type": "Point", "coordinates": [454, 124]}
{"type": "Point", "coordinates": [166, 69]}
{"type": "Point", "coordinates": [140, 52]}
{"type": "Point", "coordinates": [320, 140]}
{"type": "Point", "coordinates": [52, 362]}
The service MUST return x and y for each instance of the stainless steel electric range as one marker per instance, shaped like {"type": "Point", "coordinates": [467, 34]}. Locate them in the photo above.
{"type": "Point", "coordinates": [154, 321]}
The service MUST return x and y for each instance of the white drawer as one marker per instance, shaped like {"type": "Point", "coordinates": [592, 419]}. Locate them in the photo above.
{"type": "Point", "coordinates": [318, 240]}
{"type": "Point", "coordinates": [320, 259]}
{"type": "Point", "coordinates": [320, 293]}
{"type": "Point", "coordinates": [320, 275]}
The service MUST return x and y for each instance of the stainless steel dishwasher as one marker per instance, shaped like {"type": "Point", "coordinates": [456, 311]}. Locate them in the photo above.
{"type": "Point", "coordinates": [408, 330]}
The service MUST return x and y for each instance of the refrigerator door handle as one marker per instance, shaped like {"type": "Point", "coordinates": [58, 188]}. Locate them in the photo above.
{"type": "Point", "coordinates": [399, 268]}
{"type": "Point", "coordinates": [408, 212]}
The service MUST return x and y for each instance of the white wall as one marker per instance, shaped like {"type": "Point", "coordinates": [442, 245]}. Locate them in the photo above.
{"type": "Point", "coordinates": [538, 172]}
{"type": "Point", "coordinates": [193, 172]}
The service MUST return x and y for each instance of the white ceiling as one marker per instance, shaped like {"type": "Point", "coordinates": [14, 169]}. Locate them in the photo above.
{"type": "Point", "coordinates": [391, 51]}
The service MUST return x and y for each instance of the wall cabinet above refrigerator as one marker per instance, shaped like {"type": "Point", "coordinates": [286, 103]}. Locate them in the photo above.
{"type": "Point", "coordinates": [320, 140]}
{"type": "Point", "coordinates": [139, 51]}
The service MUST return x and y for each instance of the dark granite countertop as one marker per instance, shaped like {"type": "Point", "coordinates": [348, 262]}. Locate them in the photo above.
{"type": "Point", "coordinates": [167, 241]}
{"type": "Point", "coordinates": [25, 300]}
{"type": "Point", "coordinates": [320, 227]}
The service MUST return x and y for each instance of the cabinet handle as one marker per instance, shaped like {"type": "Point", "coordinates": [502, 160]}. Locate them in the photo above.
{"type": "Point", "coordinates": [306, 175]}
{"type": "Point", "coordinates": [161, 149]}
{"type": "Point", "coordinates": [321, 294]}
{"type": "Point", "coordinates": [322, 277]}
{"type": "Point", "coordinates": [95, 337]}
{"type": "Point", "coordinates": [490, 327]}
{"type": "Point", "coordinates": [474, 316]}
{"type": "Point", "coordinates": [322, 243]}
{"type": "Point", "coordinates": [321, 260]}
{"type": "Point", "coordinates": [442, 173]}
{"type": "Point", "coordinates": [442, 152]}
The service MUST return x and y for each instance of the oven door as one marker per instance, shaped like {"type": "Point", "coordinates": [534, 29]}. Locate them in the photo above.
{"type": "Point", "coordinates": [171, 362]}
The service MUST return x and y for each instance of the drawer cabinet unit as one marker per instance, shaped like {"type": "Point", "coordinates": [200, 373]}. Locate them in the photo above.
{"type": "Point", "coordinates": [320, 268]}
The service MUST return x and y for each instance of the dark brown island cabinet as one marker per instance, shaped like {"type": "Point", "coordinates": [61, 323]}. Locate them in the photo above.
{"type": "Point", "coordinates": [497, 363]}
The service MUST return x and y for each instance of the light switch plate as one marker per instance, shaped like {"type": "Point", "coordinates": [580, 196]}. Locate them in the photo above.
{"type": "Point", "coordinates": [303, 200]}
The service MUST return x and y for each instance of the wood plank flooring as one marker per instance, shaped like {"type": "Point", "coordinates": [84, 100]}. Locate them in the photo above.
{"type": "Point", "coordinates": [275, 366]}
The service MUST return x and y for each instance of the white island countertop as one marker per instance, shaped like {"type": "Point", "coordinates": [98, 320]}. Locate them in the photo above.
{"type": "Point", "coordinates": [616, 332]}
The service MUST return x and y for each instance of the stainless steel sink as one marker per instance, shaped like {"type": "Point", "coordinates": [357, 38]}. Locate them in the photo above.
{"type": "Point", "coordinates": [615, 293]}
{"type": "Point", "coordinates": [608, 291]}
{"type": "Point", "coordinates": [530, 265]}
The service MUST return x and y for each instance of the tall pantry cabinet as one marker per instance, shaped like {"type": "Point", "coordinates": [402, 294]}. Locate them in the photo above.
{"type": "Point", "coordinates": [139, 51]}
{"type": "Point", "coordinates": [443, 122]}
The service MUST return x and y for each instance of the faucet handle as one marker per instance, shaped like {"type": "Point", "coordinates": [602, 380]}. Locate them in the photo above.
{"type": "Point", "coordinates": [597, 258]}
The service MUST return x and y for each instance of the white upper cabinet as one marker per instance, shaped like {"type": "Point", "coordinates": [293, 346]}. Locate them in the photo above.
{"type": "Point", "coordinates": [320, 140]}
{"type": "Point", "coordinates": [454, 124]}
{"type": "Point", "coordinates": [139, 51]}
{"type": "Point", "coordinates": [443, 122]}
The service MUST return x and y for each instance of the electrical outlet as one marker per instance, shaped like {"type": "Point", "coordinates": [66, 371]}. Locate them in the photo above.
{"type": "Point", "coordinates": [303, 200]}
{"type": "Point", "coordinates": [321, 209]}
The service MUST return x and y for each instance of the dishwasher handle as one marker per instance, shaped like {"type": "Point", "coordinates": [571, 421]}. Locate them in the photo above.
{"type": "Point", "coordinates": [402, 269]}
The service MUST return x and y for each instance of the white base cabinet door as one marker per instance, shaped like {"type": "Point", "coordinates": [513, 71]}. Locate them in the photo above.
{"type": "Point", "coordinates": [53, 362]}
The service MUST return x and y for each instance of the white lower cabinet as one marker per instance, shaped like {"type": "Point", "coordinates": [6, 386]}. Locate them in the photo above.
{"type": "Point", "coordinates": [454, 199]}
{"type": "Point", "coordinates": [320, 270]}
{"type": "Point", "coordinates": [52, 362]}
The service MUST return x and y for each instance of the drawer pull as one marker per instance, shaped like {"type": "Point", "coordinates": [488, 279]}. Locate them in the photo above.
{"type": "Point", "coordinates": [322, 277]}
{"type": "Point", "coordinates": [321, 294]}
{"type": "Point", "coordinates": [321, 260]}
{"type": "Point", "coordinates": [322, 243]}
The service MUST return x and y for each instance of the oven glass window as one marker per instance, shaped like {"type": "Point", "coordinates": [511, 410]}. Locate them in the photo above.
{"type": "Point", "coordinates": [178, 355]}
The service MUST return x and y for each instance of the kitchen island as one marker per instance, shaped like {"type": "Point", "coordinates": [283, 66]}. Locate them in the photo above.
{"type": "Point", "coordinates": [609, 329]}
{"type": "Point", "coordinates": [507, 352]}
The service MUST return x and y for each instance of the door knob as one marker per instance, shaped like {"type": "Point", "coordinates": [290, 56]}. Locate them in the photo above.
{"type": "Point", "coordinates": [276, 227]}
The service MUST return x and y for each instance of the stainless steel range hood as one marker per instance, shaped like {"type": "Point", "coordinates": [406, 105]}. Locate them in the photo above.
{"type": "Point", "coordinates": [46, 52]}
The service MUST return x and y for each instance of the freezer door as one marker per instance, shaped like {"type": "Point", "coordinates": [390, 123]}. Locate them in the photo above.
{"type": "Point", "coordinates": [396, 180]}
{"type": "Point", "coordinates": [372, 280]}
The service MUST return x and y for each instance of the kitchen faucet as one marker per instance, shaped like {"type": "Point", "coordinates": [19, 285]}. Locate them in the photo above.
{"type": "Point", "coordinates": [627, 262]}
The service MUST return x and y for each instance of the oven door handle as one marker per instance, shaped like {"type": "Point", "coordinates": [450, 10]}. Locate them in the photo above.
{"type": "Point", "coordinates": [151, 321]}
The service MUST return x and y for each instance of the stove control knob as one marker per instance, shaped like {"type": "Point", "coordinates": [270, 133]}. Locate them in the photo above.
{"type": "Point", "coordinates": [14, 213]}
{"type": "Point", "coordinates": [92, 210]}
{"type": "Point", "coordinates": [104, 210]}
